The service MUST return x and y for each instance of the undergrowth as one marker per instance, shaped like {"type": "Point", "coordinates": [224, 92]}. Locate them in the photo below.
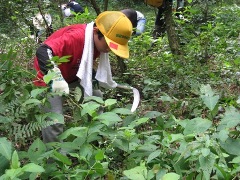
{"type": "Point", "coordinates": [186, 127]}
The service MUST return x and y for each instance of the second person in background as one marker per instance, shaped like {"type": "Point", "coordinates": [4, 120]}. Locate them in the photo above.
{"type": "Point", "coordinates": [70, 7]}
{"type": "Point", "coordinates": [138, 20]}
{"type": "Point", "coordinates": [75, 6]}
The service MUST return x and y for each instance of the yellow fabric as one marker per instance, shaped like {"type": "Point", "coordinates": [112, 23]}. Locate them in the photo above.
{"type": "Point", "coordinates": [117, 29]}
{"type": "Point", "coordinates": [154, 3]}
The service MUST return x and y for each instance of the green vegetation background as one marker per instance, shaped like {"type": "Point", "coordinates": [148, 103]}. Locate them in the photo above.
{"type": "Point", "coordinates": [186, 126]}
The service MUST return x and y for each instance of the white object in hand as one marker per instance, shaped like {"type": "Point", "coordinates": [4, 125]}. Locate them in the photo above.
{"type": "Point", "coordinates": [58, 83]}
{"type": "Point", "coordinates": [136, 96]}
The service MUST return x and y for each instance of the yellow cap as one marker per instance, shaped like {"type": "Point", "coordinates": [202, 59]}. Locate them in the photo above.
{"type": "Point", "coordinates": [117, 29]}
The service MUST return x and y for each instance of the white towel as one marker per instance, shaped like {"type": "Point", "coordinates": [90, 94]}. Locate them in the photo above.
{"type": "Point", "coordinates": [104, 74]}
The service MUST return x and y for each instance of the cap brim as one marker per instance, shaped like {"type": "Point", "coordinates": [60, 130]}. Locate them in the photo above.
{"type": "Point", "coordinates": [118, 49]}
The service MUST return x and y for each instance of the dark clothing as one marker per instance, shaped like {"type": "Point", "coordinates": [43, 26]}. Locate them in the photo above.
{"type": "Point", "coordinates": [132, 16]}
{"type": "Point", "coordinates": [160, 25]}
{"type": "Point", "coordinates": [74, 6]}
{"type": "Point", "coordinates": [160, 15]}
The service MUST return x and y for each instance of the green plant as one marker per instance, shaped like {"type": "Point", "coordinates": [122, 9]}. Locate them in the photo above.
{"type": "Point", "coordinates": [20, 115]}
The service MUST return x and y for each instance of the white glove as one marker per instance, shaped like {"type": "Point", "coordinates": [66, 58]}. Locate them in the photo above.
{"type": "Point", "coordinates": [58, 83]}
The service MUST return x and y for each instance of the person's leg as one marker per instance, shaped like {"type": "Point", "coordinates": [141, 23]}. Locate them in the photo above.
{"type": "Point", "coordinates": [140, 26]}
{"type": "Point", "coordinates": [159, 28]}
{"type": "Point", "coordinates": [51, 133]}
{"type": "Point", "coordinates": [159, 17]}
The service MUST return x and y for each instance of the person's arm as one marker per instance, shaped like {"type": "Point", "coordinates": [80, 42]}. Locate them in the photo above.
{"type": "Point", "coordinates": [57, 84]}
{"type": "Point", "coordinates": [44, 54]}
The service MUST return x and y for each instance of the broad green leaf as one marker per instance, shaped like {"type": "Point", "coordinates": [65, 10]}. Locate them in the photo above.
{"type": "Point", "coordinates": [231, 146]}
{"type": "Point", "coordinates": [133, 146]}
{"type": "Point", "coordinates": [206, 90]}
{"type": "Point", "coordinates": [153, 155]}
{"type": "Point", "coordinates": [95, 128]}
{"type": "Point", "coordinates": [147, 147]}
{"type": "Point", "coordinates": [5, 148]}
{"type": "Point", "coordinates": [4, 164]}
{"type": "Point", "coordinates": [64, 59]}
{"type": "Point", "coordinates": [59, 60]}
{"type": "Point", "coordinates": [64, 159]}
{"type": "Point", "coordinates": [138, 122]}
{"type": "Point", "coordinates": [223, 135]}
{"type": "Point", "coordinates": [166, 99]}
{"type": "Point", "coordinates": [31, 101]}
{"type": "Point", "coordinates": [78, 94]}
{"type": "Point", "coordinates": [100, 155]}
{"type": "Point", "coordinates": [138, 172]}
{"type": "Point", "coordinates": [197, 125]}
{"type": "Point", "coordinates": [99, 168]}
{"type": "Point", "coordinates": [236, 160]}
{"type": "Point", "coordinates": [14, 173]}
{"type": "Point", "coordinates": [75, 131]}
{"type": "Point", "coordinates": [76, 155]}
{"type": "Point", "coordinates": [38, 91]}
{"type": "Point", "coordinates": [97, 99]}
{"type": "Point", "coordinates": [110, 102]}
{"type": "Point", "coordinates": [121, 144]}
{"type": "Point", "coordinates": [122, 111]}
{"type": "Point", "coordinates": [152, 114]}
{"type": "Point", "coordinates": [69, 146]}
{"type": "Point", "coordinates": [108, 118]}
{"type": "Point", "coordinates": [207, 164]}
{"type": "Point", "coordinates": [205, 152]}
{"type": "Point", "coordinates": [15, 164]}
{"type": "Point", "coordinates": [55, 58]}
{"type": "Point", "coordinates": [36, 149]}
{"type": "Point", "coordinates": [31, 167]}
{"type": "Point", "coordinates": [210, 101]}
{"type": "Point", "coordinates": [56, 117]}
{"type": "Point", "coordinates": [224, 173]}
{"type": "Point", "coordinates": [183, 123]}
{"type": "Point", "coordinates": [86, 152]}
{"type": "Point", "coordinates": [48, 77]}
{"type": "Point", "coordinates": [93, 137]}
{"type": "Point", "coordinates": [230, 119]}
{"type": "Point", "coordinates": [33, 176]}
{"type": "Point", "coordinates": [171, 176]}
{"type": "Point", "coordinates": [128, 132]}
{"type": "Point", "coordinates": [176, 137]}
{"type": "Point", "coordinates": [89, 108]}
{"type": "Point", "coordinates": [128, 119]}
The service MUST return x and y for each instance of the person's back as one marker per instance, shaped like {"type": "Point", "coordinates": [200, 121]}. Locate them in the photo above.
{"type": "Point", "coordinates": [137, 19]}
{"type": "Point", "coordinates": [74, 6]}
{"type": "Point", "coordinates": [43, 25]}
{"type": "Point", "coordinates": [132, 16]}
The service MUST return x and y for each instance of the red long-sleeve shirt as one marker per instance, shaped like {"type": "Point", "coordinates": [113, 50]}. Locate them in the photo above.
{"type": "Point", "coordinates": [66, 41]}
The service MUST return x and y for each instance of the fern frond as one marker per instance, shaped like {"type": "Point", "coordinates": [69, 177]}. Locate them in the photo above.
{"type": "Point", "coordinates": [23, 131]}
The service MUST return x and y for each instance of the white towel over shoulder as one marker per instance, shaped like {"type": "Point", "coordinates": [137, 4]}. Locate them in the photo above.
{"type": "Point", "coordinates": [104, 74]}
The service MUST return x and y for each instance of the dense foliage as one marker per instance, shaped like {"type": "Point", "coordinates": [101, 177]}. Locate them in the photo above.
{"type": "Point", "coordinates": [186, 127]}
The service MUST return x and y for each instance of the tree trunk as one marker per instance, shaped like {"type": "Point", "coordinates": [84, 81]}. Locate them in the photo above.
{"type": "Point", "coordinates": [95, 6]}
{"type": "Point", "coordinates": [105, 5]}
{"type": "Point", "coordinates": [171, 32]}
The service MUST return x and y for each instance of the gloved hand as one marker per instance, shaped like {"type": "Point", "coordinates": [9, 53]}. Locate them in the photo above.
{"type": "Point", "coordinates": [58, 83]}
